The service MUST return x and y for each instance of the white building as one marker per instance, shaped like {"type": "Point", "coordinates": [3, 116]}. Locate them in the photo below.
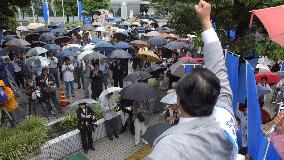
{"type": "Point", "coordinates": [126, 8]}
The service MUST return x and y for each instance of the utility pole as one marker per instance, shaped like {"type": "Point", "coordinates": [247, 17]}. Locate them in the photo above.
{"type": "Point", "coordinates": [62, 4]}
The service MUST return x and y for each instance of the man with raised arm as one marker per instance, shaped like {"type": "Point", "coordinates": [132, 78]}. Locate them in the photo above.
{"type": "Point", "coordinates": [206, 129]}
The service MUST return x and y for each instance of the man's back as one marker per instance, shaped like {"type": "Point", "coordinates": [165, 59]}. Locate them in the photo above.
{"type": "Point", "coordinates": [201, 138]}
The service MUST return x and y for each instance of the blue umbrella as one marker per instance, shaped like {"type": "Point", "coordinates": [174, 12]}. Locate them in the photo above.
{"type": "Point", "coordinates": [141, 28]}
{"type": "Point", "coordinates": [104, 47]}
{"type": "Point", "coordinates": [96, 40]}
{"type": "Point", "coordinates": [157, 41]}
{"type": "Point", "coordinates": [3, 53]}
{"type": "Point", "coordinates": [67, 53]}
{"type": "Point", "coordinates": [52, 47]}
{"type": "Point", "coordinates": [121, 54]}
{"type": "Point", "coordinates": [122, 45]}
{"type": "Point", "coordinates": [174, 45]}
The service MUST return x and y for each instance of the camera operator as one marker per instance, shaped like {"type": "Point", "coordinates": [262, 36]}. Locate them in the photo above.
{"type": "Point", "coordinates": [48, 88]}
{"type": "Point", "coordinates": [86, 119]}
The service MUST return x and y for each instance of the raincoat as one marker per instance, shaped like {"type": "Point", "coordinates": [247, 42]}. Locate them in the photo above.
{"type": "Point", "coordinates": [11, 104]}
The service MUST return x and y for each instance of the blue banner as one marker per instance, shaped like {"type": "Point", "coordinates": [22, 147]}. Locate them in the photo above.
{"type": "Point", "coordinates": [232, 63]}
{"type": "Point", "coordinates": [45, 11]}
{"type": "Point", "coordinates": [272, 154]}
{"type": "Point", "coordinates": [256, 140]}
{"type": "Point", "coordinates": [80, 8]}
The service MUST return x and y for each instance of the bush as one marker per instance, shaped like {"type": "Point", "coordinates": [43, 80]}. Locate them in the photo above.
{"type": "Point", "coordinates": [69, 122]}
{"type": "Point", "coordinates": [28, 137]}
{"type": "Point", "coordinates": [76, 23]}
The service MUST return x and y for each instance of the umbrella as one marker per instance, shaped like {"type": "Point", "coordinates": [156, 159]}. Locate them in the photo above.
{"type": "Point", "coordinates": [72, 46]}
{"type": "Point", "coordinates": [5, 33]}
{"type": "Point", "coordinates": [81, 55]}
{"type": "Point", "coordinates": [32, 37]}
{"type": "Point", "coordinates": [136, 23]}
{"type": "Point", "coordinates": [104, 47]}
{"type": "Point", "coordinates": [262, 68]}
{"type": "Point", "coordinates": [174, 45]}
{"type": "Point", "coordinates": [67, 53]}
{"type": "Point", "coordinates": [97, 24]}
{"type": "Point", "coordinates": [40, 30]}
{"type": "Point", "coordinates": [272, 21]}
{"type": "Point", "coordinates": [108, 91]}
{"type": "Point", "coordinates": [272, 78]}
{"type": "Point", "coordinates": [89, 46]}
{"type": "Point", "coordinates": [47, 37]}
{"type": "Point", "coordinates": [122, 45]}
{"type": "Point", "coordinates": [38, 44]}
{"type": "Point", "coordinates": [100, 29]}
{"type": "Point", "coordinates": [35, 25]}
{"type": "Point", "coordinates": [188, 58]}
{"type": "Point", "coordinates": [169, 36]}
{"type": "Point", "coordinates": [11, 48]}
{"type": "Point", "coordinates": [10, 37]}
{"type": "Point", "coordinates": [141, 28]}
{"type": "Point", "coordinates": [87, 27]}
{"type": "Point", "coordinates": [36, 51]}
{"type": "Point", "coordinates": [57, 30]}
{"type": "Point", "coordinates": [147, 55]}
{"type": "Point", "coordinates": [93, 56]}
{"type": "Point", "coordinates": [139, 43]}
{"type": "Point", "coordinates": [138, 92]}
{"type": "Point", "coordinates": [63, 39]}
{"type": "Point", "coordinates": [3, 53]}
{"type": "Point", "coordinates": [74, 106]}
{"type": "Point", "coordinates": [121, 54]}
{"type": "Point", "coordinates": [179, 68]}
{"type": "Point", "coordinates": [137, 76]}
{"type": "Point", "coordinates": [22, 28]}
{"type": "Point", "coordinates": [156, 69]}
{"type": "Point", "coordinates": [96, 40]}
{"type": "Point", "coordinates": [126, 23]}
{"type": "Point", "coordinates": [152, 34]}
{"type": "Point", "coordinates": [154, 132]}
{"type": "Point", "coordinates": [17, 42]}
{"type": "Point", "coordinates": [43, 60]}
{"type": "Point", "coordinates": [120, 36]}
{"type": "Point", "coordinates": [170, 98]}
{"type": "Point", "coordinates": [52, 47]}
{"type": "Point", "coordinates": [157, 41]}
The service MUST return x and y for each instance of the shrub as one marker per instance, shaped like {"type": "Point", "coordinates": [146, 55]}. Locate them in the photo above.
{"type": "Point", "coordinates": [69, 122]}
{"type": "Point", "coordinates": [76, 23]}
{"type": "Point", "coordinates": [28, 137]}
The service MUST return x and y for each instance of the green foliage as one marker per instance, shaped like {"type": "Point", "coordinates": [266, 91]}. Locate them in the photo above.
{"type": "Point", "coordinates": [227, 15]}
{"type": "Point", "coordinates": [8, 12]}
{"type": "Point", "coordinates": [91, 5]}
{"type": "Point", "coordinates": [28, 137]}
{"type": "Point", "coordinates": [270, 49]}
{"type": "Point", "coordinates": [69, 122]}
{"type": "Point", "coordinates": [69, 24]}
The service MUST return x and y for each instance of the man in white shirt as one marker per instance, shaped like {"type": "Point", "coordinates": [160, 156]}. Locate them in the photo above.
{"type": "Point", "coordinates": [104, 67]}
{"type": "Point", "coordinates": [68, 76]}
{"type": "Point", "coordinates": [52, 67]}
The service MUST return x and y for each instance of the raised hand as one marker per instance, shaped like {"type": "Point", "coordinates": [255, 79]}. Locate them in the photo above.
{"type": "Point", "coordinates": [203, 11]}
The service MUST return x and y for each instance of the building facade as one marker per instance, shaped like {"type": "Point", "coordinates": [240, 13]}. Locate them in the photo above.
{"type": "Point", "coordinates": [126, 8]}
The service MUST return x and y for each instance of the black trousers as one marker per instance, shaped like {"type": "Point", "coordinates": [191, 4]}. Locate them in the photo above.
{"type": "Point", "coordinates": [19, 79]}
{"type": "Point", "coordinates": [112, 127]}
{"type": "Point", "coordinates": [116, 82]}
{"type": "Point", "coordinates": [86, 137]}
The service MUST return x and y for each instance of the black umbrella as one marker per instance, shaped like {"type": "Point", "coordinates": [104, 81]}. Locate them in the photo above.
{"type": "Point", "coordinates": [37, 44]}
{"type": "Point", "coordinates": [138, 76]}
{"type": "Point", "coordinates": [155, 69]}
{"type": "Point", "coordinates": [57, 30]}
{"type": "Point", "coordinates": [120, 36]}
{"type": "Point", "coordinates": [40, 30]}
{"type": "Point", "coordinates": [52, 26]}
{"type": "Point", "coordinates": [154, 132]}
{"type": "Point", "coordinates": [138, 92]}
{"type": "Point", "coordinates": [120, 54]}
{"type": "Point", "coordinates": [9, 33]}
{"type": "Point", "coordinates": [47, 37]}
{"type": "Point", "coordinates": [32, 37]}
{"type": "Point", "coordinates": [9, 37]}
{"type": "Point", "coordinates": [63, 39]}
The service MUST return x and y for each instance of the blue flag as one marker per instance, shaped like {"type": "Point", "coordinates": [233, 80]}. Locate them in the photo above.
{"type": "Point", "coordinates": [80, 8]}
{"type": "Point", "coordinates": [256, 140]}
{"type": "Point", "coordinates": [232, 63]}
{"type": "Point", "coordinates": [45, 11]}
{"type": "Point", "coordinates": [272, 154]}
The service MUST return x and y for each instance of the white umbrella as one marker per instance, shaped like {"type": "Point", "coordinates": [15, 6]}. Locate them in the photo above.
{"type": "Point", "coordinates": [263, 90]}
{"type": "Point", "coordinates": [35, 25]}
{"type": "Point", "coordinates": [36, 51]}
{"type": "Point", "coordinates": [152, 34]}
{"type": "Point", "coordinates": [100, 29]}
{"type": "Point", "coordinates": [81, 55]}
{"type": "Point", "coordinates": [170, 98]}
{"type": "Point", "coordinates": [22, 28]}
{"type": "Point", "coordinates": [120, 30]}
{"type": "Point", "coordinates": [43, 60]}
{"type": "Point", "coordinates": [73, 45]}
{"type": "Point", "coordinates": [110, 90]}
{"type": "Point", "coordinates": [263, 68]}
{"type": "Point", "coordinates": [89, 46]}
{"type": "Point", "coordinates": [87, 101]}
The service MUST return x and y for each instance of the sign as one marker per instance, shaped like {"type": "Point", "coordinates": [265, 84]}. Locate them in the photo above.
{"type": "Point", "coordinates": [87, 20]}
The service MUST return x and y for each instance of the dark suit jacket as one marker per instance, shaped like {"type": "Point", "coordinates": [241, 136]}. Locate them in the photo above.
{"type": "Point", "coordinates": [84, 122]}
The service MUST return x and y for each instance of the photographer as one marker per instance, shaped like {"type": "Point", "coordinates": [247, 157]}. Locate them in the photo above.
{"type": "Point", "coordinates": [86, 119]}
{"type": "Point", "coordinates": [48, 88]}
{"type": "Point", "coordinates": [68, 76]}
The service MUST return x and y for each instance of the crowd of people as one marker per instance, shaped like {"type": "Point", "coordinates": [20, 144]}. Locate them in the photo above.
{"type": "Point", "coordinates": [197, 120]}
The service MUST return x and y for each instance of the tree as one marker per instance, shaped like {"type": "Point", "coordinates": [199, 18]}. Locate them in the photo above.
{"type": "Point", "coordinates": [70, 8]}
{"type": "Point", "coordinates": [227, 15]}
{"type": "Point", "coordinates": [91, 5]}
{"type": "Point", "coordinates": [8, 12]}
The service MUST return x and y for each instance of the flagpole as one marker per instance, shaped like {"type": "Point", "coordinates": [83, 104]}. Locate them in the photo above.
{"type": "Point", "coordinates": [62, 4]}
{"type": "Point", "coordinates": [33, 11]}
